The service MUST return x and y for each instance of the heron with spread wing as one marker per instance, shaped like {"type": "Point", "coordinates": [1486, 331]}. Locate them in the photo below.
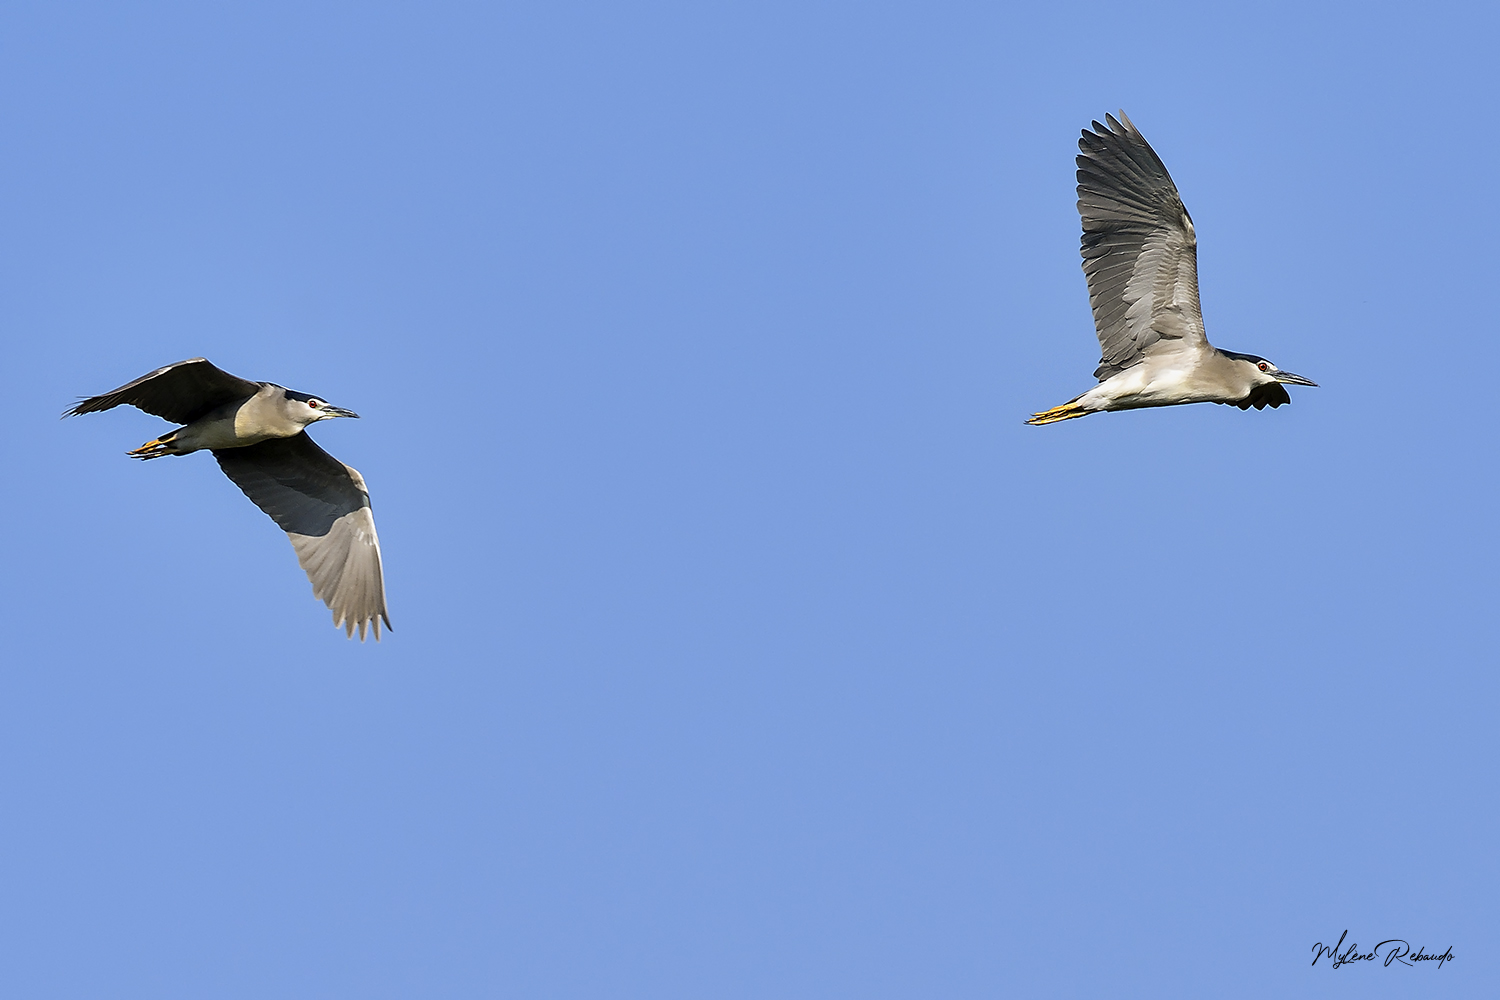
{"type": "Point", "coordinates": [1141, 259]}
{"type": "Point", "coordinates": [257, 432]}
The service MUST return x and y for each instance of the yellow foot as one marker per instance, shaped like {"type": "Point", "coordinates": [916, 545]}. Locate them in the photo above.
{"type": "Point", "coordinates": [152, 449]}
{"type": "Point", "coordinates": [1067, 411]}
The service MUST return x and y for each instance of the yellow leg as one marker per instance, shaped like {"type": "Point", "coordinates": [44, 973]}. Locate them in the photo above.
{"type": "Point", "coordinates": [1067, 411]}
{"type": "Point", "coordinates": [152, 449]}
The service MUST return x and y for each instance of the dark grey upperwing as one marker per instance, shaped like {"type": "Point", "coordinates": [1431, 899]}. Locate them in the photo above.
{"type": "Point", "coordinates": [323, 506]}
{"type": "Point", "coordinates": [1139, 250]}
{"type": "Point", "coordinates": [180, 393]}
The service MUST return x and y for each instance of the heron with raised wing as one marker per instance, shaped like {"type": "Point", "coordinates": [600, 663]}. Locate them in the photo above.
{"type": "Point", "coordinates": [257, 432]}
{"type": "Point", "coordinates": [1141, 259]}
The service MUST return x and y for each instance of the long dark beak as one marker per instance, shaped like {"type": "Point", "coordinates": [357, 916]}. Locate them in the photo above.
{"type": "Point", "coordinates": [339, 411]}
{"type": "Point", "coordinates": [1291, 379]}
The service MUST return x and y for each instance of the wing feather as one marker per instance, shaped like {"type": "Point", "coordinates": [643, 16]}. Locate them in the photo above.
{"type": "Point", "coordinates": [1139, 250]}
{"type": "Point", "coordinates": [323, 506]}
{"type": "Point", "coordinates": [180, 392]}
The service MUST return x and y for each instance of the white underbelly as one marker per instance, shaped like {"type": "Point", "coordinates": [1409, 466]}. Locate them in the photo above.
{"type": "Point", "coordinates": [1146, 384]}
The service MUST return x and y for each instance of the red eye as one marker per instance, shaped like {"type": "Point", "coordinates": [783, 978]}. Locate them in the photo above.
{"type": "Point", "coordinates": [315, 404]}
{"type": "Point", "coordinates": [1262, 366]}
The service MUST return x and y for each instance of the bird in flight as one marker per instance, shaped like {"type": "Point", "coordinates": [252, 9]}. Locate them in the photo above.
{"type": "Point", "coordinates": [1141, 260]}
{"type": "Point", "coordinates": [257, 432]}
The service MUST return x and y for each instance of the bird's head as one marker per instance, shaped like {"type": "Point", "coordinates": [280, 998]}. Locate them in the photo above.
{"type": "Point", "coordinates": [1262, 372]}
{"type": "Point", "coordinates": [307, 409]}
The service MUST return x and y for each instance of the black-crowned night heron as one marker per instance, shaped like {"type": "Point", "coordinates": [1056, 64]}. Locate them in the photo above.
{"type": "Point", "coordinates": [1141, 259]}
{"type": "Point", "coordinates": [256, 430]}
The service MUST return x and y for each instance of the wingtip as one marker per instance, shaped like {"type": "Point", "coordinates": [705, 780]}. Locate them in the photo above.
{"type": "Point", "coordinates": [1113, 126]}
{"type": "Point", "coordinates": [365, 628]}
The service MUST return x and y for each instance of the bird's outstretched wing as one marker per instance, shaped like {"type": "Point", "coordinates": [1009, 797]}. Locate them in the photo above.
{"type": "Point", "coordinates": [181, 393]}
{"type": "Point", "coordinates": [323, 506]}
{"type": "Point", "coordinates": [1139, 251]}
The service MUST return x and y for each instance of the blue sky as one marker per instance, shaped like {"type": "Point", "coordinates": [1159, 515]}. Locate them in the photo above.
{"type": "Point", "coordinates": [747, 643]}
